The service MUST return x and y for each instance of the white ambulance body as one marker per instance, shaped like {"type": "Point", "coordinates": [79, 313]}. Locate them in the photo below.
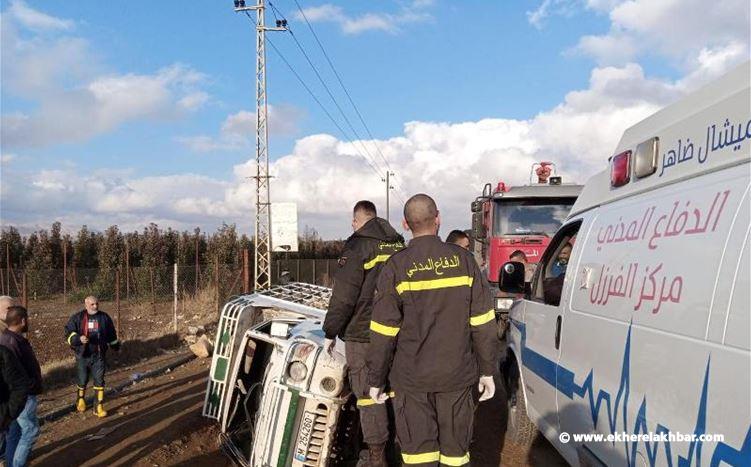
{"type": "Point", "coordinates": [648, 328]}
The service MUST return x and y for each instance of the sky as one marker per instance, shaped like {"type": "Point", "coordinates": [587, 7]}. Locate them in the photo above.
{"type": "Point", "coordinates": [144, 111]}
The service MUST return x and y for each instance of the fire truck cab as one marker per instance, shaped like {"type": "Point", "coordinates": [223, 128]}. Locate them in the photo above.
{"type": "Point", "coordinates": [511, 218]}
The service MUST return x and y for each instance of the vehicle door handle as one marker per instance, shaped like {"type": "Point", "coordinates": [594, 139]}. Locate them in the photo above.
{"type": "Point", "coordinates": [558, 332]}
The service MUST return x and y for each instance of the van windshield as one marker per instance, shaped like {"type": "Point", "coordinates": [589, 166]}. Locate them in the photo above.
{"type": "Point", "coordinates": [535, 216]}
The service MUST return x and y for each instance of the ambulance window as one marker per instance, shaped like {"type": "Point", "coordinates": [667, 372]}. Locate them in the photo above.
{"type": "Point", "coordinates": [551, 272]}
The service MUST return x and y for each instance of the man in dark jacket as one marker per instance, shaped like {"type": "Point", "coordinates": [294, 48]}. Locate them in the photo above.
{"type": "Point", "coordinates": [90, 332]}
{"type": "Point", "coordinates": [434, 315]}
{"type": "Point", "coordinates": [14, 388]}
{"type": "Point", "coordinates": [24, 430]}
{"type": "Point", "coordinates": [348, 316]}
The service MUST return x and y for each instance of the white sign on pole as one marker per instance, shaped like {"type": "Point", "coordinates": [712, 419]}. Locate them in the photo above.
{"type": "Point", "coordinates": [284, 227]}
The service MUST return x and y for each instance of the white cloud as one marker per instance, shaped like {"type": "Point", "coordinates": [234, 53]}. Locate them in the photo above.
{"type": "Point", "coordinates": [608, 49]}
{"type": "Point", "coordinates": [325, 176]}
{"type": "Point", "coordinates": [238, 129]}
{"type": "Point", "coordinates": [7, 158]}
{"type": "Point", "coordinates": [74, 98]}
{"type": "Point", "coordinates": [36, 20]}
{"type": "Point", "coordinates": [549, 8]}
{"type": "Point", "coordinates": [100, 106]}
{"type": "Point", "coordinates": [369, 21]}
{"type": "Point", "coordinates": [675, 29]}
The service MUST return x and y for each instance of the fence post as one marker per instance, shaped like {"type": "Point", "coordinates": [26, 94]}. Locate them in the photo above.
{"type": "Point", "coordinates": [127, 272]}
{"type": "Point", "coordinates": [25, 293]}
{"type": "Point", "coordinates": [65, 271]}
{"type": "Point", "coordinates": [174, 305]}
{"type": "Point", "coordinates": [7, 267]}
{"type": "Point", "coordinates": [153, 299]}
{"type": "Point", "coordinates": [315, 282]}
{"type": "Point", "coordinates": [297, 269]}
{"type": "Point", "coordinates": [117, 303]}
{"type": "Point", "coordinates": [216, 283]}
{"type": "Point", "coordinates": [246, 271]}
{"type": "Point", "coordinates": [198, 271]}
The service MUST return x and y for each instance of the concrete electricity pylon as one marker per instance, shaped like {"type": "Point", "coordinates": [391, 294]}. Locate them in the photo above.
{"type": "Point", "coordinates": [389, 187]}
{"type": "Point", "coordinates": [263, 196]}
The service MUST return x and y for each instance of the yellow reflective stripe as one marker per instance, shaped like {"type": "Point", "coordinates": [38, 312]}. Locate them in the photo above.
{"type": "Point", "coordinates": [449, 460]}
{"type": "Point", "coordinates": [378, 259]}
{"type": "Point", "coordinates": [482, 319]}
{"type": "Point", "coordinates": [421, 458]}
{"type": "Point", "coordinates": [389, 331]}
{"type": "Point", "coordinates": [432, 284]}
{"type": "Point", "coordinates": [367, 401]}
{"type": "Point", "coordinates": [71, 337]}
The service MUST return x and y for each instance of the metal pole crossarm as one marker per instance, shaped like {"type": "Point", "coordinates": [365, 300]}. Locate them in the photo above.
{"type": "Point", "coordinates": [248, 8]}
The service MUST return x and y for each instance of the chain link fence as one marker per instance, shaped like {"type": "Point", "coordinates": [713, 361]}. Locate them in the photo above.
{"type": "Point", "coordinates": [144, 302]}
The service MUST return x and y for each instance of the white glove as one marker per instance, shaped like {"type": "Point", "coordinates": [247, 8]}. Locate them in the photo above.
{"type": "Point", "coordinates": [486, 387]}
{"type": "Point", "coordinates": [378, 396]}
{"type": "Point", "coordinates": [328, 346]}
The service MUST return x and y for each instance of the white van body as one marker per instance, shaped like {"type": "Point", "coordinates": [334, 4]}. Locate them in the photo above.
{"type": "Point", "coordinates": [652, 332]}
{"type": "Point", "coordinates": [267, 415]}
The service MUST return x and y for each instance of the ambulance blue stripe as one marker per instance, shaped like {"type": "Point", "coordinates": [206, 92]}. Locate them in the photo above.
{"type": "Point", "coordinates": [563, 380]}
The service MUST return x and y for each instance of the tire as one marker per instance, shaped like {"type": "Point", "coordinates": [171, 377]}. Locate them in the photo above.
{"type": "Point", "coordinates": [520, 430]}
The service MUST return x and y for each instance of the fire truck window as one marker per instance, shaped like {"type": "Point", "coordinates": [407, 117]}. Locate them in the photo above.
{"type": "Point", "coordinates": [552, 269]}
{"type": "Point", "coordinates": [531, 216]}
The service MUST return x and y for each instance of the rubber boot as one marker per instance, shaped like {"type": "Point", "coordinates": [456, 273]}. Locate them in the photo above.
{"type": "Point", "coordinates": [81, 399]}
{"type": "Point", "coordinates": [99, 404]}
{"type": "Point", "coordinates": [377, 455]}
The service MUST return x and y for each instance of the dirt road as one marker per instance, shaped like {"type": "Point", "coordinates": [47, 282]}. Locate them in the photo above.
{"type": "Point", "coordinates": [155, 422]}
{"type": "Point", "coordinates": [158, 423]}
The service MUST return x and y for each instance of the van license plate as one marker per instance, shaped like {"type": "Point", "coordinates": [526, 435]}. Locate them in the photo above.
{"type": "Point", "coordinates": [303, 439]}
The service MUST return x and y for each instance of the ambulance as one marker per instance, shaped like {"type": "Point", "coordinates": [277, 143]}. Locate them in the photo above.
{"type": "Point", "coordinates": [633, 344]}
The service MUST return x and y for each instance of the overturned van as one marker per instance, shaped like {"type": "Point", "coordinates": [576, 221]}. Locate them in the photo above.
{"type": "Point", "coordinates": [279, 398]}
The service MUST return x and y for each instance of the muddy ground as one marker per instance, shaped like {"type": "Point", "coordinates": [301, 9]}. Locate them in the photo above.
{"type": "Point", "coordinates": [158, 422]}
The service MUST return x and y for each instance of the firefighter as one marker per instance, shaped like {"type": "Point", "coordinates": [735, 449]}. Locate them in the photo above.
{"type": "Point", "coordinates": [348, 316]}
{"type": "Point", "coordinates": [433, 337]}
{"type": "Point", "coordinates": [458, 237]}
{"type": "Point", "coordinates": [90, 332]}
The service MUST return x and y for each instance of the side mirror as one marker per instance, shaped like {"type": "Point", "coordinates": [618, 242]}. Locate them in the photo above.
{"type": "Point", "coordinates": [511, 278]}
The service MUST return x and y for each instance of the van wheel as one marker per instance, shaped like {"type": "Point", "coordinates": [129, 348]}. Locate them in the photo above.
{"type": "Point", "coordinates": [520, 430]}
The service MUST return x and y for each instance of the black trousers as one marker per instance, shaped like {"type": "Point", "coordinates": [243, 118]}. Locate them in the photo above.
{"type": "Point", "coordinates": [94, 366]}
{"type": "Point", "coordinates": [373, 417]}
{"type": "Point", "coordinates": [436, 427]}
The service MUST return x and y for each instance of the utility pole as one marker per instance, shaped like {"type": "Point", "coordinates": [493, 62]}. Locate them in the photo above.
{"type": "Point", "coordinates": [389, 174]}
{"type": "Point", "coordinates": [263, 196]}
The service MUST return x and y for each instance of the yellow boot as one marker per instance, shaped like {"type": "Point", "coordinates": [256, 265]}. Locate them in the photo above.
{"type": "Point", "coordinates": [99, 404]}
{"type": "Point", "coordinates": [81, 400]}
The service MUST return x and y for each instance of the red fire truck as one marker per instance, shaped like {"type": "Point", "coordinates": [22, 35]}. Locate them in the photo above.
{"type": "Point", "coordinates": [510, 218]}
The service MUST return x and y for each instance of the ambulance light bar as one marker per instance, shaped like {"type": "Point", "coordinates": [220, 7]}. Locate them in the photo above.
{"type": "Point", "coordinates": [620, 169]}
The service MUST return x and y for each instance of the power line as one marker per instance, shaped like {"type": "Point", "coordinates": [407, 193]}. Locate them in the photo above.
{"type": "Point", "coordinates": [339, 79]}
{"type": "Point", "coordinates": [341, 83]}
{"type": "Point", "coordinates": [315, 98]}
{"type": "Point", "coordinates": [325, 86]}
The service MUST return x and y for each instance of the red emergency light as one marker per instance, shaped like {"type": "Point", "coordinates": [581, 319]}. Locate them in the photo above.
{"type": "Point", "coordinates": [620, 169]}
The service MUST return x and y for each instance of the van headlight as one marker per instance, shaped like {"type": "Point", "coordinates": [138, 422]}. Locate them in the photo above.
{"type": "Point", "coordinates": [328, 385]}
{"type": "Point", "coordinates": [297, 371]}
{"type": "Point", "coordinates": [504, 304]}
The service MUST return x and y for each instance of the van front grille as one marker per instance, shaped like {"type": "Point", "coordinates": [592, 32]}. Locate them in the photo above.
{"type": "Point", "coordinates": [314, 456]}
